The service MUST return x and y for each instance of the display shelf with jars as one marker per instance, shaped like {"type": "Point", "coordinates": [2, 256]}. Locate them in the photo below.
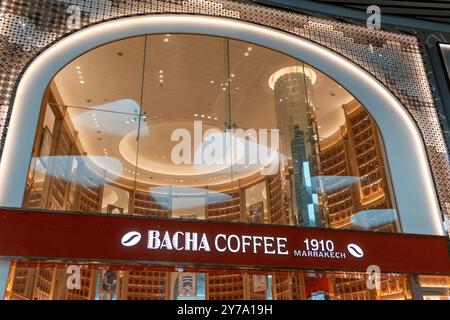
{"type": "Point", "coordinates": [339, 195]}
{"type": "Point", "coordinates": [144, 285]}
{"type": "Point", "coordinates": [222, 286]}
{"type": "Point", "coordinates": [393, 287]}
{"type": "Point", "coordinates": [350, 288]}
{"type": "Point", "coordinates": [58, 168]}
{"type": "Point", "coordinates": [87, 286]}
{"type": "Point", "coordinates": [44, 284]}
{"type": "Point", "coordinates": [276, 200]}
{"type": "Point", "coordinates": [367, 153]}
{"type": "Point", "coordinates": [224, 206]}
{"type": "Point", "coordinates": [282, 287]}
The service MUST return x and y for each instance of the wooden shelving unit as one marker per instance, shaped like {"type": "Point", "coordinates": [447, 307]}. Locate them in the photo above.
{"type": "Point", "coordinates": [151, 205]}
{"type": "Point", "coordinates": [144, 285]}
{"type": "Point", "coordinates": [220, 209]}
{"type": "Point", "coordinates": [226, 286]}
{"type": "Point", "coordinates": [59, 167]}
{"type": "Point", "coordinates": [339, 199]}
{"type": "Point", "coordinates": [275, 200]}
{"type": "Point", "coordinates": [90, 193]}
{"type": "Point", "coordinates": [282, 288]}
{"type": "Point", "coordinates": [87, 288]}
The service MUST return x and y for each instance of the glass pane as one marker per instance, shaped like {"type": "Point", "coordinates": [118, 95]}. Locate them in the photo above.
{"type": "Point", "coordinates": [261, 127]}
{"type": "Point", "coordinates": [106, 78]}
{"type": "Point", "coordinates": [79, 165]}
{"type": "Point", "coordinates": [184, 107]}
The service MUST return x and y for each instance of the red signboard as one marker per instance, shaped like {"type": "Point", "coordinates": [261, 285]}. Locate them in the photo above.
{"type": "Point", "coordinates": [35, 234]}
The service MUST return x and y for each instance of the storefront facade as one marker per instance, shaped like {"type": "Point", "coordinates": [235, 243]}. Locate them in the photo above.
{"type": "Point", "coordinates": [275, 127]}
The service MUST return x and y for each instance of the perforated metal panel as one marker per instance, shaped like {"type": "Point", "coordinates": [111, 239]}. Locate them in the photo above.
{"type": "Point", "coordinates": [28, 26]}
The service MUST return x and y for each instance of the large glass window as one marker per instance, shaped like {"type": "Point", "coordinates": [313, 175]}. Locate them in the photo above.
{"type": "Point", "coordinates": [186, 126]}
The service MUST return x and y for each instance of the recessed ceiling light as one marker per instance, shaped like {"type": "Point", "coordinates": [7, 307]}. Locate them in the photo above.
{"type": "Point", "coordinates": [232, 75]}
{"type": "Point", "coordinates": [215, 118]}
{"type": "Point", "coordinates": [166, 40]}
{"type": "Point", "coordinates": [246, 54]}
{"type": "Point", "coordinates": [81, 81]}
{"type": "Point", "coordinates": [212, 81]}
{"type": "Point", "coordinates": [160, 71]}
{"type": "Point", "coordinates": [320, 127]}
{"type": "Point", "coordinates": [209, 117]}
{"type": "Point", "coordinates": [249, 48]}
{"type": "Point", "coordinates": [160, 80]}
{"type": "Point", "coordinates": [202, 116]}
{"type": "Point", "coordinates": [78, 67]}
{"type": "Point", "coordinates": [224, 88]}
{"type": "Point", "coordinates": [237, 88]}
{"type": "Point", "coordinates": [161, 76]}
{"type": "Point", "coordinates": [79, 72]}
{"type": "Point", "coordinates": [168, 35]}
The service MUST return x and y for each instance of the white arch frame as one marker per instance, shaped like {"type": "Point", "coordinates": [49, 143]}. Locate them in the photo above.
{"type": "Point", "coordinates": [410, 173]}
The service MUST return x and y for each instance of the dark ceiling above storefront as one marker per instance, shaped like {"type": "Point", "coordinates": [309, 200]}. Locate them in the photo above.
{"type": "Point", "coordinates": [429, 14]}
{"type": "Point", "coordinates": [428, 10]}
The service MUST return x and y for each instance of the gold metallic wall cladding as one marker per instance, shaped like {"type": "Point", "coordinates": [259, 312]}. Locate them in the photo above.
{"type": "Point", "coordinates": [28, 26]}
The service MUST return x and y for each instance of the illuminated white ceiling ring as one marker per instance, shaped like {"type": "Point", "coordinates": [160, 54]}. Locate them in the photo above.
{"type": "Point", "coordinates": [411, 180]}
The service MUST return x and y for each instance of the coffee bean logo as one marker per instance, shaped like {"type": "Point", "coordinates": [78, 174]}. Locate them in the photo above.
{"type": "Point", "coordinates": [355, 250]}
{"type": "Point", "coordinates": [131, 238]}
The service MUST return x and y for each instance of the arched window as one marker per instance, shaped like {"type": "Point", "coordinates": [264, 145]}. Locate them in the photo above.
{"type": "Point", "coordinates": [202, 127]}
